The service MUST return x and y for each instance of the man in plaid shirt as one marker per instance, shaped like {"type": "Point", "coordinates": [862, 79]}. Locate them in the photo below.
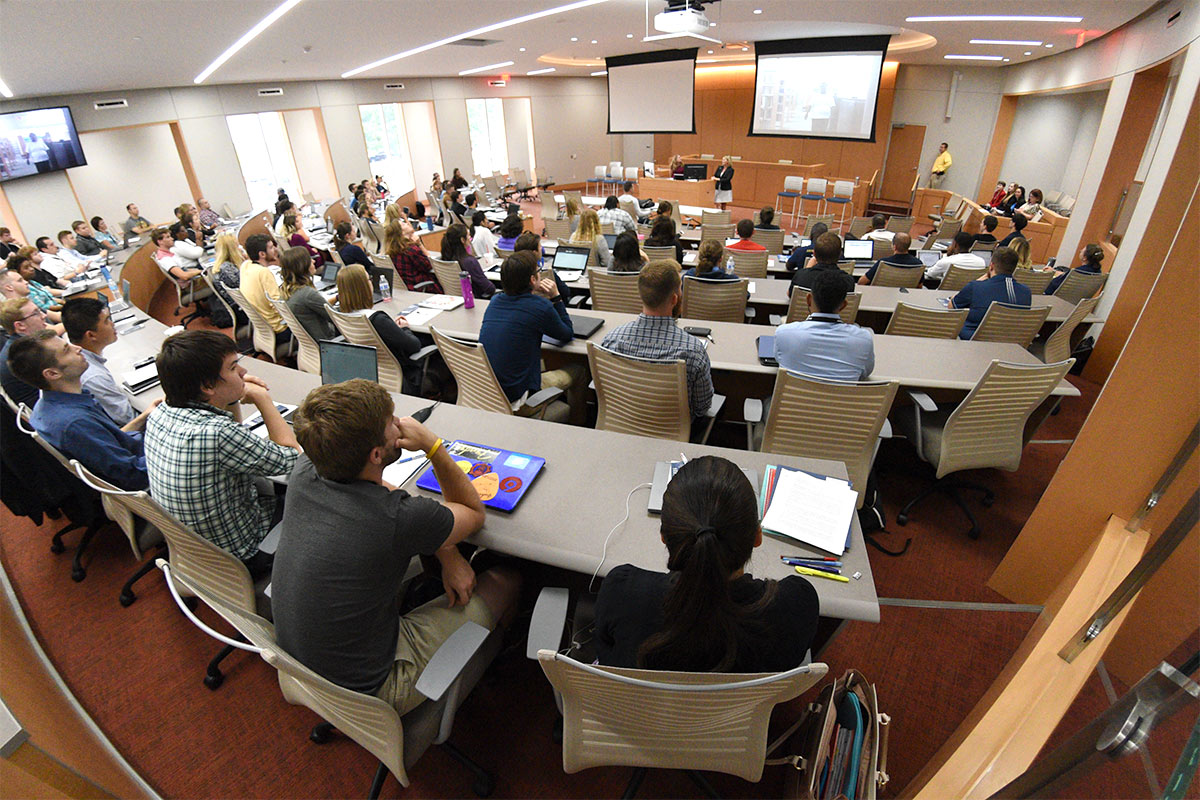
{"type": "Point", "coordinates": [202, 462]}
{"type": "Point", "coordinates": [613, 214]}
{"type": "Point", "coordinates": [655, 335]}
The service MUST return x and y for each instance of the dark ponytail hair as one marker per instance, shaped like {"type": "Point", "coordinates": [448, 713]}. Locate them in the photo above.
{"type": "Point", "coordinates": [1093, 254]}
{"type": "Point", "coordinates": [709, 525]}
{"type": "Point", "coordinates": [341, 233]}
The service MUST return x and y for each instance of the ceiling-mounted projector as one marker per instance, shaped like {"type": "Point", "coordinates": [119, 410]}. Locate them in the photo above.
{"type": "Point", "coordinates": [682, 16]}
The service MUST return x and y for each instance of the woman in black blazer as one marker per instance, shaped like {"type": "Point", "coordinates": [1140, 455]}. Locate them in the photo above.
{"type": "Point", "coordinates": [724, 178]}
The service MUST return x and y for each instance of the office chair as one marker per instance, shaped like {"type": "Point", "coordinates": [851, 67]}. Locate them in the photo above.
{"type": "Point", "coordinates": [357, 329]}
{"type": "Point", "coordinates": [478, 387]}
{"type": "Point", "coordinates": [930, 323]}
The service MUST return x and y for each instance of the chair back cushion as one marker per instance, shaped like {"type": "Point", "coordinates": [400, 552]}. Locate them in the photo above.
{"type": "Point", "coordinates": [357, 329]}
{"type": "Point", "coordinates": [716, 300]}
{"type": "Point", "coordinates": [477, 384]}
{"type": "Point", "coordinates": [926, 322]}
{"type": "Point", "coordinates": [615, 291]}
{"type": "Point", "coordinates": [640, 396]}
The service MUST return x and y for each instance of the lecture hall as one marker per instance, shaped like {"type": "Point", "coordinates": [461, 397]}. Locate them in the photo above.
{"type": "Point", "coordinates": [642, 398]}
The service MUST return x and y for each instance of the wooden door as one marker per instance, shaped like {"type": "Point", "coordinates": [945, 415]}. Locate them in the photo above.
{"type": "Point", "coordinates": [903, 161]}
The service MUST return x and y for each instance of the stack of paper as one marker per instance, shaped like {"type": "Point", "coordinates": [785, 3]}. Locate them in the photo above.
{"type": "Point", "coordinates": [815, 510]}
{"type": "Point", "coordinates": [442, 302]}
{"type": "Point", "coordinates": [402, 469]}
{"type": "Point", "coordinates": [420, 316]}
{"type": "Point", "coordinates": [142, 378]}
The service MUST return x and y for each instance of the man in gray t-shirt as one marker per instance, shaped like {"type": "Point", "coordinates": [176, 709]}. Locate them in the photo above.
{"type": "Point", "coordinates": [347, 540]}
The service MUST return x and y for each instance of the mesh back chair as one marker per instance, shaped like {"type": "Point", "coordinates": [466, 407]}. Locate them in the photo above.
{"type": "Point", "coordinates": [669, 720]}
{"type": "Point", "coordinates": [502, 253]}
{"type": "Point", "coordinates": [946, 229]}
{"type": "Point", "coordinates": [241, 331]}
{"type": "Point", "coordinates": [558, 229]}
{"type": "Point", "coordinates": [187, 290]}
{"type": "Point", "coordinates": [748, 263]}
{"type": "Point", "coordinates": [815, 192]}
{"type": "Point", "coordinates": [929, 323]}
{"type": "Point", "coordinates": [813, 219]}
{"type": "Point", "coordinates": [959, 276]}
{"type": "Point", "coordinates": [676, 215]}
{"type": "Point", "coordinates": [793, 186]}
{"type": "Point", "coordinates": [659, 253]}
{"type": "Point", "coordinates": [227, 211]}
{"type": "Point", "coordinates": [643, 229]}
{"type": "Point", "coordinates": [772, 240]}
{"type": "Point", "coordinates": [716, 231]}
{"type": "Point", "coordinates": [716, 300]}
{"type": "Point", "coordinates": [985, 430]}
{"type": "Point", "coordinates": [983, 247]}
{"type": "Point", "coordinates": [642, 396]}
{"type": "Point", "coordinates": [607, 227]}
{"type": "Point", "coordinates": [1035, 279]}
{"type": "Point", "coordinates": [899, 224]}
{"type": "Point", "coordinates": [372, 234]}
{"type": "Point", "coordinates": [715, 218]}
{"type": "Point", "coordinates": [577, 196]}
{"type": "Point", "coordinates": [1014, 324]}
{"type": "Point", "coordinates": [630, 208]}
{"type": "Point", "coordinates": [308, 355]}
{"type": "Point", "coordinates": [357, 329]}
{"type": "Point", "coordinates": [881, 248]}
{"type": "Point", "coordinates": [264, 334]}
{"type": "Point", "coordinates": [953, 206]}
{"type": "Point", "coordinates": [847, 266]}
{"type": "Point", "coordinates": [615, 291]}
{"type": "Point", "coordinates": [843, 194]}
{"type": "Point", "coordinates": [890, 275]}
{"type": "Point", "coordinates": [859, 227]}
{"type": "Point", "coordinates": [836, 420]}
{"type": "Point", "coordinates": [385, 266]}
{"type": "Point", "coordinates": [549, 207]}
{"type": "Point", "coordinates": [1058, 346]}
{"type": "Point", "coordinates": [798, 306]}
{"type": "Point", "coordinates": [448, 275]}
{"type": "Point", "coordinates": [478, 387]}
{"type": "Point", "coordinates": [1080, 285]}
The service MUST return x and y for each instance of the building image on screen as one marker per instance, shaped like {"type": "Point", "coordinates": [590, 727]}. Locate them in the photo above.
{"type": "Point", "coordinates": [38, 141]}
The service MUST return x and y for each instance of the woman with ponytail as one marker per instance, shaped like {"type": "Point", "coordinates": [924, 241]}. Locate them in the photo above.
{"type": "Point", "coordinates": [1092, 256]}
{"type": "Point", "coordinates": [707, 614]}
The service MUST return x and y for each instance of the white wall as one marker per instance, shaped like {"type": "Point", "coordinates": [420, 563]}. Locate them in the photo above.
{"type": "Point", "coordinates": [139, 165]}
{"type": "Point", "coordinates": [215, 162]}
{"type": "Point", "coordinates": [312, 167]}
{"type": "Point", "coordinates": [45, 205]}
{"type": "Point", "coordinates": [1052, 138]}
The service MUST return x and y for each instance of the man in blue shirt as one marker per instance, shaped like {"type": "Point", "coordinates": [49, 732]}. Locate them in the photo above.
{"type": "Point", "coordinates": [512, 330]}
{"type": "Point", "coordinates": [800, 255]}
{"type": "Point", "coordinates": [899, 258]}
{"type": "Point", "coordinates": [997, 286]}
{"type": "Point", "coordinates": [69, 418]}
{"type": "Point", "coordinates": [90, 326]}
{"type": "Point", "coordinates": [822, 345]}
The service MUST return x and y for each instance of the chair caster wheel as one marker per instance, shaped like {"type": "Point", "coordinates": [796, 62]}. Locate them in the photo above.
{"type": "Point", "coordinates": [320, 734]}
{"type": "Point", "coordinates": [56, 547]}
{"type": "Point", "coordinates": [78, 575]}
{"type": "Point", "coordinates": [214, 681]}
{"type": "Point", "coordinates": [484, 787]}
{"type": "Point", "coordinates": [973, 533]}
{"type": "Point", "coordinates": [902, 518]}
{"type": "Point", "coordinates": [126, 600]}
{"type": "Point", "coordinates": [988, 499]}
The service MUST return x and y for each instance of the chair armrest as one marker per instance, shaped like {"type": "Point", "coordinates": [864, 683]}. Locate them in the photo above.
{"type": "Point", "coordinates": [923, 401]}
{"type": "Point", "coordinates": [718, 402]}
{"type": "Point", "coordinates": [423, 353]}
{"type": "Point", "coordinates": [548, 620]}
{"type": "Point", "coordinates": [886, 431]}
{"type": "Point", "coordinates": [450, 659]}
{"type": "Point", "coordinates": [269, 544]}
{"type": "Point", "coordinates": [577, 301]}
{"type": "Point", "coordinates": [752, 410]}
{"type": "Point", "coordinates": [421, 285]}
{"type": "Point", "coordinates": [775, 319]}
{"type": "Point", "coordinates": [542, 397]}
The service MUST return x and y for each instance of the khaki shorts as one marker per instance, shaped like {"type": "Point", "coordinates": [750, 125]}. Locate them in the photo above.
{"type": "Point", "coordinates": [422, 632]}
{"type": "Point", "coordinates": [568, 377]}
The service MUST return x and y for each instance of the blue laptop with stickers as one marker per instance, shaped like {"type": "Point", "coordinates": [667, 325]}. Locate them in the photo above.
{"type": "Point", "coordinates": [500, 476]}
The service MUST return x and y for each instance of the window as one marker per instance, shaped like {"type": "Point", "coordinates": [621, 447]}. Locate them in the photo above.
{"type": "Point", "coordinates": [402, 143]}
{"type": "Point", "coordinates": [489, 145]}
{"type": "Point", "coordinates": [265, 154]}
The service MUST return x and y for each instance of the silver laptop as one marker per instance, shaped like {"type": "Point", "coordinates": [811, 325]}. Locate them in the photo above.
{"type": "Point", "coordinates": [570, 261]}
{"type": "Point", "coordinates": [929, 257]}
{"type": "Point", "coordinates": [857, 249]}
{"type": "Point", "coordinates": [664, 471]}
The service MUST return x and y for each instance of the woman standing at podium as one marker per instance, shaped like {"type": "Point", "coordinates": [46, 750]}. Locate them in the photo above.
{"type": "Point", "coordinates": [724, 178]}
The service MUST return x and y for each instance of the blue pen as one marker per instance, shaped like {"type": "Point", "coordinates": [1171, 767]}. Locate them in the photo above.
{"type": "Point", "coordinates": [810, 562]}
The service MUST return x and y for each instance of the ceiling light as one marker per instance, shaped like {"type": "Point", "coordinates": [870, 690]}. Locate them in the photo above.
{"type": "Point", "coordinates": [598, 74]}
{"type": "Point", "coordinates": [1028, 52]}
{"type": "Point", "coordinates": [992, 18]}
{"type": "Point", "coordinates": [706, 60]}
{"type": "Point", "coordinates": [549, 12]}
{"type": "Point", "coordinates": [574, 38]}
{"type": "Point", "coordinates": [247, 37]}
{"type": "Point", "coordinates": [521, 49]}
{"type": "Point", "coordinates": [629, 36]}
{"type": "Point", "coordinates": [594, 41]}
{"type": "Point", "coordinates": [485, 69]}
{"type": "Point", "coordinates": [973, 58]}
{"type": "Point", "coordinates": [1021, 42]}
{"type": "Point", "coordinates": [540, 71]}
{"type": "Point", "coordinates": [4, 90]}
{"type": "Point", "coordinates": [712, 24]}
{"type": "Point", "coordinates": [745, 49]}
{"type": "Point", "coordinates": [758, 11]}
{"type": "Point", "coordinates": [710, 52]}
{"type": "Point", "coordinates": [660, 36]}
{"type": "Point", "coordinates": [1049, 45]}
{"type": "Point", "coordinates": [1008, 59]}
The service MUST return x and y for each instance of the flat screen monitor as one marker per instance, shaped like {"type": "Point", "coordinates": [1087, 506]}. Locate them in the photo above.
{"type": "Point", "coordinates": [695, 172]}
{"type": "Point", "coordinates": [820, 88]}
{"type": "Point", "coordinates": [648, 169]}
{"type": "Point", "coordinates": [858, 249]}
{"type": "Point", "coordinates": [342, 361]}
{"type": "Point", "coordinates": [38, 141]}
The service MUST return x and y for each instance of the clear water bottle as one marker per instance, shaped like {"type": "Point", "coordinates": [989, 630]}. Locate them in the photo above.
{"type": "Point", "coordinates": [464, 280]}
{"type": "Point", "coordinates": [729, 266]}
{"type": "Point", "coordinates": [385, 289]}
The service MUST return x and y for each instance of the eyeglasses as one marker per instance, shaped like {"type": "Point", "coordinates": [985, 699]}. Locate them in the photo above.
{"type": "Point", "coordinates": [37, 313]}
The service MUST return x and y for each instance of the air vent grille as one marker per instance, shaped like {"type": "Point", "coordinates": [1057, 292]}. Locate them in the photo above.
{"type": "Point", "coordinates": [475, 42]}
{"type": "Point", "coordinates": [105, 105]}
{"type": "Point", "coordinates": [393, 86]}
{"type": "Point", "coordinates": [270, 92]}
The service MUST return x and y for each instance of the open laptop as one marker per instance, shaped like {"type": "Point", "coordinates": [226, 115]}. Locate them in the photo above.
{"type": "Point", "coordinates": [930, 257]}
{"type": "Point", "coordinates": [328, 278]}
{"type": "Point", "coordinates": [611, 238]}
{"type": "Point", "coordinates": [570, 261]}
{"type": "Point", "coordinates": [857, 249]}
{"type": "Point", "coordinates": [342, 361]}
{"type": "Point", "coordinates": [664, 471]}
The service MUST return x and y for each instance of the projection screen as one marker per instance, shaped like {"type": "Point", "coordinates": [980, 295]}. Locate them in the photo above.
{"type": "Point", "coordinates": [652, 92]}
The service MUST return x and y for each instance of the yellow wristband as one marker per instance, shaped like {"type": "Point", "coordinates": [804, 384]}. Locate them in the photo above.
{"type": "Point", "coordinates": [434, 449]}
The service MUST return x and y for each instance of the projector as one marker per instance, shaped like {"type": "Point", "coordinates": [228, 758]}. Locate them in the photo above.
{"type": "Point", "coordinates": [682, 18]}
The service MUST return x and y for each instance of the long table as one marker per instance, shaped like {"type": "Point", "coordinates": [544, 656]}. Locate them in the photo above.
{"type": "Point", "coordinates": [582, 492]}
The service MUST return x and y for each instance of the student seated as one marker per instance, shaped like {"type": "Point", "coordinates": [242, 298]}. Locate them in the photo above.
{"type": "Point", "coordinates": [456, 248]}
{"type": "Point", "coordinates": [354, 295]}
{"type": "Point", "coordinates": [589, 233]}
{"type": "Point", "coordinates": [19, 318]}
{"type": "Point", "coordinates": [988, 229]}
{"type": "Point", "coordinates": [766, 219]}
{"type": "Point", "coordinates": [827, 249]}
{"type": "Point", "coordinates": [187, 252]}
{"type": "Point", "coordinates": [996, 286]}
{"type": "Point", "coordinates": [509, 230]}
{"type": "Point", "coordinates": [709, 262]}
{"type": "Point", "coordinates": [655, 333]}
{"type": "Point", "coordinates": [1092, 256]}
{"type": "Point", "coordinates": [347, 540]}
{"type": "Point", "coordinates": [297, 267]}
{"type": "Point", "coordinates": [295, 235]}
{"type": "Point", "coordinates": [800, 255]}
{"type": "Point", "coordinates": [513, 326]}
{"type": "Point", "coordinates": [706, 614]}
{"type": "Point", "coordinates": [227, 274]}
{"type": "Point", "coordinates": [1033, 209]}
{"type": "Point", "coordinates": [8, 243]}
{"type": "Point", "coordinates": [626, 196]}
{"type": "Point", "coordinates": [54, 261]}
{"type": "Point", "coordinates": [662, 234]}
{"type": "Point", "coordinates": [86, 243]}
{"type": "Point", "coordinates": [616, 216]}
{"type": "Point", "coordinates": [822, 345]}
{"type": "Point", "coordinates": [204, 465]}
{"type": "Point", "coordinates": [346, 239]}
{"type": "Point", "coordinates": [136, 224]}
{"type": "Point", "coordinates": [483, 241]}
{"type": "Point", "coordinates": [899, 258]}
{"type": "Point", "coordinates": [70, 419]}
{"type": "Point", "coordinates": [997, 195]}
{"type": "Point", "coordinates": [21, 268]}
{"type": "Point", "coordinates": [627, 255]}
{"type": "Point", "coordinates": [879, 231]}
{"type": "Point", "coordinates": [1019, 221]}
{"type": "Point", "coordinates": [957, 254]}
{"type": "Point", "coordinates": [410, 258]}
{"type": "Point", "coordinates": [745, 229]}
{"type": "Point", "coordinates": [258, 282]}
{"type": "Point", "coordinates": [530, 242]}
{"type": "Point", "coordinates": [90, 328]}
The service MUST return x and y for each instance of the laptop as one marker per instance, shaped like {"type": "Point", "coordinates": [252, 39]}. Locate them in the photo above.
{"type": "Point", "coordinates": [611, 238]}
{"type": "Point", "coordinates": [500, 476]}
{"type": "Point", "coordinates": [858, 249]}
{"type": "Point", "coordinates": [766, 351]}
{"type": "Point", "coordinates": [581, 325]}
{"type": "Point", "coordinates": [664, 471]}
{"type": "Point", "coordinates": [570, 261]}
{"type": "Point", "coordinates": [929, 257]}
{"type": "Point", "coordinates": [648, 169]}
{"type": "Point", "coordinates": [328, 278]}
{"type": "Point", "coordinates": [342, 361]}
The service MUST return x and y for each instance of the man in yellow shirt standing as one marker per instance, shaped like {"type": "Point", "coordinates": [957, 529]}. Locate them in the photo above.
{"type": "Point", "coordinates": [940, 165]}
{"type": "Point", "coordinates": [259, 284]}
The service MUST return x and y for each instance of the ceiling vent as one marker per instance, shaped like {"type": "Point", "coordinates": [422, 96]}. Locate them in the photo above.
{"type": "Point", "coordinates": [497, 84]}
{"type": "Point", "coordinates": [270, 92]}
{"type": "Point", "coordinates": [104, 105]}
{"type": "Point", "coordinates": [393, 86]}
{"type": "Point", "coordinates": [475, 42]}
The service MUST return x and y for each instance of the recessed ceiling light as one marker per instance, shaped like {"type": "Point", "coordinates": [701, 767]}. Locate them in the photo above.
{"type": "Point", "coordinates": [1028, 52]}
{"type": "Point", "coordinates": [1008, 59]}
{"type": "Point", "coordinates": [758, 11]}
{"type": "Point", "coordinates": [594, 41]}
{"type": "Point", "coordinates": [574, 38]}
{"type": "Point", "coordinates": [992, 18]}
{"type": "Point", "coordinates": [549, 12]}
{"type": "Point", "coordinates": [598, 74]}
{"type": "Point", "coordinates": [1049, 45]}
{"type": "Point", "coordinates": [4, 90]}
{"type": "Point", "coordinates": [540, 71]}
{"type": "Point", "coordinates": [710, 52]}
{"type": "Point", "coordinates": [745, 49]}
{"type": "Point", "coordinates": [247, 37]}
{"type": "Point", "coordinates": [712, 24]}
{"type": "Point", "coordinates": [960, 57]}
{"type": "Point", "coordinates": [1019, 42]}
{"type": "Point", "coordinates": [629, 36]}
{"type": "Point", "coordinates": [485, 69]}
{"type": "Point", "coordinates": [521, 49]}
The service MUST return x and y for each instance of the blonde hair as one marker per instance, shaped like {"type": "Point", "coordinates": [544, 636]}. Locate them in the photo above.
{"type": "Point", "coordinates": [572, 208]}
{"type": "Point", "coordinates": [589, 227]}
{"type": "Point", "coordinates": [1022, 249]}
{"type": "Point", "coordinates": [227, 249]}
{"type": "Point", "coordinates": [392, 213]}
{"type": "Point", "coordinates": [709, 256]}
{"type": "Point", "coordinates": [393, 239]}
{"type": "Point", "coordinates": [354, 288]}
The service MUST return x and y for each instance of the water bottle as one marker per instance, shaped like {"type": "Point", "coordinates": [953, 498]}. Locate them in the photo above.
{"type": "Point", "coordinates": [729, 266]}
{"type": "Point", "coordinates": [385, 289]}
{"type": "Point", "coordinates": [464, 279]}
{"type": "Point", "coordinates": [429, 222]}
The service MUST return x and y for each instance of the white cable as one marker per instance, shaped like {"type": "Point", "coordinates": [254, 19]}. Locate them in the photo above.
{"type": "Point", "coordinates": [604, 552]}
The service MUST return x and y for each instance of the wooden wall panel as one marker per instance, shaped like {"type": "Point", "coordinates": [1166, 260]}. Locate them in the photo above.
{"type": "Point", "coordinates": [999, 146]}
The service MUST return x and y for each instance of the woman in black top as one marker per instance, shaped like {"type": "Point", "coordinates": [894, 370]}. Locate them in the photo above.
{"type": "Point", "coordinates": [456, 246]}
{"type": "Point", "coordinates": [724, 178]}
{"type": "Point", "coordinates": [626, 254]}
{"type": "Point", "coordinates": [662, 234]}
{"type": "Point", "coordinates": [766, 219]}
{"type": "Point", "coordinates": [706, 614]}
{"type": "Point", "coordinates": [457, 180]}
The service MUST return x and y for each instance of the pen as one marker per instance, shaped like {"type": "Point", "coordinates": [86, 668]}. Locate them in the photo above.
{"type": "Point", "coordinates": [829, 559]}
{"type": "Point", "coordinates": [829, 565]}
{"type": "Point", "coordinates": [816, 573]}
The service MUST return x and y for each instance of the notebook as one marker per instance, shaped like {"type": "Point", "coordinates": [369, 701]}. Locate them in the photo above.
{"type": "Point", "coordinates": [142, 378]}
{"type": "Point", "coordinates": [858, 249]}
{"type": "Point", "coordinates": [581, 325]}
{"type": "Point", "coordinates": [500, 476]}
{"type": "Point", "coordinates": [342, 361]}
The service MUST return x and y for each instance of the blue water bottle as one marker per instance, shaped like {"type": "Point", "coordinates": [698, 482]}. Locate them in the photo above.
{"type": "Point", "coordinates": [464, 279]}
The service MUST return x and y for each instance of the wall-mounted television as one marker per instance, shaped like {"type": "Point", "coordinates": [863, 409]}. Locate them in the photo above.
{"type": "Point", "coordinates": [38, 141]}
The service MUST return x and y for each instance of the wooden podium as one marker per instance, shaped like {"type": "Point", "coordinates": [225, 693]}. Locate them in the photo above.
{"type": "Point", "coordinates": [687, 193]}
